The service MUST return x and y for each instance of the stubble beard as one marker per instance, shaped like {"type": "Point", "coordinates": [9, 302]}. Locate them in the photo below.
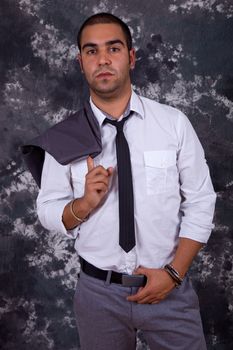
{"type": "Point", "coordinates": [107, 89]}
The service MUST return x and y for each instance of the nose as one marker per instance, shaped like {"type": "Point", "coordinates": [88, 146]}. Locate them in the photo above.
{"type": "Point", "coordinates": [104, 58]}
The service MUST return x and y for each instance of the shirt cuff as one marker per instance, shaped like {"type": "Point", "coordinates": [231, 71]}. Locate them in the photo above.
{"type": "Point", "coordinates": [195, 232]}
{"type": "Point", "coordinates": [52, 219]}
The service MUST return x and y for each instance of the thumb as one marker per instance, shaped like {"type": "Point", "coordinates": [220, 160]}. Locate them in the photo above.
{"type": "Point", "coordinates": [140, 271]}
{"type": "Point", "coordinates": [90, 163]}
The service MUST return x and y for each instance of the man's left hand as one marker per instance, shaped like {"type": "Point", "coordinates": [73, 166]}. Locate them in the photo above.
{"type": "Point", "coordinates": [159, 285]}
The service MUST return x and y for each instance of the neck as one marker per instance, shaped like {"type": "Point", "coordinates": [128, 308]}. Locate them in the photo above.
{"type": "Point", "coordinates": [112, 105]}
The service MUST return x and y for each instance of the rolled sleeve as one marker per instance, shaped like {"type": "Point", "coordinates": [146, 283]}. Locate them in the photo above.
{"type": "Point", "coordinates": [198, 196]}
{"type": "Point", "coordinates": [55, 193]}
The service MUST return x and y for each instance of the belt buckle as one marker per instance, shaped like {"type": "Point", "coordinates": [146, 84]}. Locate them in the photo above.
{"type": "Point", "coordinates": [133, 280]}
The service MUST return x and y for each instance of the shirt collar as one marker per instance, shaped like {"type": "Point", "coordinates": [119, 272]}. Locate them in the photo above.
{"type": "Point", "coordinates": [135, 105]}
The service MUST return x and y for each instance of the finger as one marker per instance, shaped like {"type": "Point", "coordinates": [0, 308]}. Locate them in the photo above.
{"type": "Point", "coordinates": [141, 271]}
{"type": "Point", "coordinates": [136, 298]}
{"type": "Point", "coordinates": [147, 300]}
{"type": "Point", "coordinates": [158, 298]}
{"type": "Point", "coordinates": [110, 171]}
{"type": "Point", "coordinates": [90, 163]}
{"type": "Point", "coordinates": [99, 179]}
{"type": "Point", "coordinates": [98, 187]}
{"type": "Point", "coordinates": [143, 293]}
{"type": "Point", "coordinates": [98, 170]}
{"type": "Point", "coordinates": [151, 298]}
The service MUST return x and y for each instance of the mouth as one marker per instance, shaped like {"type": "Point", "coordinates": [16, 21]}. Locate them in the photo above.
{"type": "Point", "coordinates": [104, 75]}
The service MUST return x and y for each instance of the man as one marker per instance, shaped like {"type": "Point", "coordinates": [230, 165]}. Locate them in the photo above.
{"type": "Point", "coordinates": [130, 269]}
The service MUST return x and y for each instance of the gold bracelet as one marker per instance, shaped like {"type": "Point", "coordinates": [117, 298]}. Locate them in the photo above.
{"type": "Point", "coordinates": [74, 215]}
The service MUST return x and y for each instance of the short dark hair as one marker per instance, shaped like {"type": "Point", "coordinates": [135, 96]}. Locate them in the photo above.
{"type": "Point", "coordinates": [105, 17]}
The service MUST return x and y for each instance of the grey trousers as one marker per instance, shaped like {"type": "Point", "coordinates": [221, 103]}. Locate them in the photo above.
{"type": "Point", "coordinates": [107, 321]}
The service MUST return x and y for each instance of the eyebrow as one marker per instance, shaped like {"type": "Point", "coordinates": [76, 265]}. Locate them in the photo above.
{"type": "Point", "coordinates": [108, 43]}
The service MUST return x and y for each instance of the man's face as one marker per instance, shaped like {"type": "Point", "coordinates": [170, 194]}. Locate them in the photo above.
{"type": "Point", "coordinates": [105, 59]}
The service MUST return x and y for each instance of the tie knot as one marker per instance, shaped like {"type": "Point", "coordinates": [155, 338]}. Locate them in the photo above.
{"type": "Point", "coordinates": [118, 125]}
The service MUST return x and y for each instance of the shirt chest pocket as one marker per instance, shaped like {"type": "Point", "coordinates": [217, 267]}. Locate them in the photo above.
{"type": "Point", "coordinates": [161, 171]}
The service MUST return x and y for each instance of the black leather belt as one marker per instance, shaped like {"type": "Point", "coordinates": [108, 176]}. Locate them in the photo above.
{"type": "Point", "coordinates": [112, 276]}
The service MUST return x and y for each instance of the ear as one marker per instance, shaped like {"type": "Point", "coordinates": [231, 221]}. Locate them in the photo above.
{"type": "Point", "coordinates": [132, 58]}
{"type": "Point", "coordinates": [79, 58]}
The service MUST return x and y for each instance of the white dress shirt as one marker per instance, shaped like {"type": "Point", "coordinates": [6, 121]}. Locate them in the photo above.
{"type": "Point", "coordinates": [173, 193]}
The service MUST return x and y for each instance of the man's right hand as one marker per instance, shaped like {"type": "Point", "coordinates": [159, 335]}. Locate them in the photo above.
{"type": "Point", "coordinates": [97, 183]}
{"type": "Point", "coordinates": [96, 187]}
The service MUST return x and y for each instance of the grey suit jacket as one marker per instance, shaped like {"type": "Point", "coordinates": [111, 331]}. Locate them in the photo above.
{"type": "Point", "coordinates": [74, 138]}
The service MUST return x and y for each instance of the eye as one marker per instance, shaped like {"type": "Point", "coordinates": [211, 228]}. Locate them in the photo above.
{"type": "Point", "coordinates": [91, 52]}
{"type": "Point", "coordinates": [114, 49]}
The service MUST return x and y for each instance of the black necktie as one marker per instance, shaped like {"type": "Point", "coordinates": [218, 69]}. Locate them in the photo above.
{"type": "Point", "coordinates": [126, 202]}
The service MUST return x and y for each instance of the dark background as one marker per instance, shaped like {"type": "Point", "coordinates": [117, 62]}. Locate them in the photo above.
{"type": "Point", "coordinates": [185, 59]}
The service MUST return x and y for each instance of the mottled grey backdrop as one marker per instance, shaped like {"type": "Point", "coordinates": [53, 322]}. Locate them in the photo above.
{"type": "Point", "coordinates": [185, 59]}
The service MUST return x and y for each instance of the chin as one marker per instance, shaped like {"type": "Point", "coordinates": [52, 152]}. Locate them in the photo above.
{"type": "Point", "coordinates": [105, 90]}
